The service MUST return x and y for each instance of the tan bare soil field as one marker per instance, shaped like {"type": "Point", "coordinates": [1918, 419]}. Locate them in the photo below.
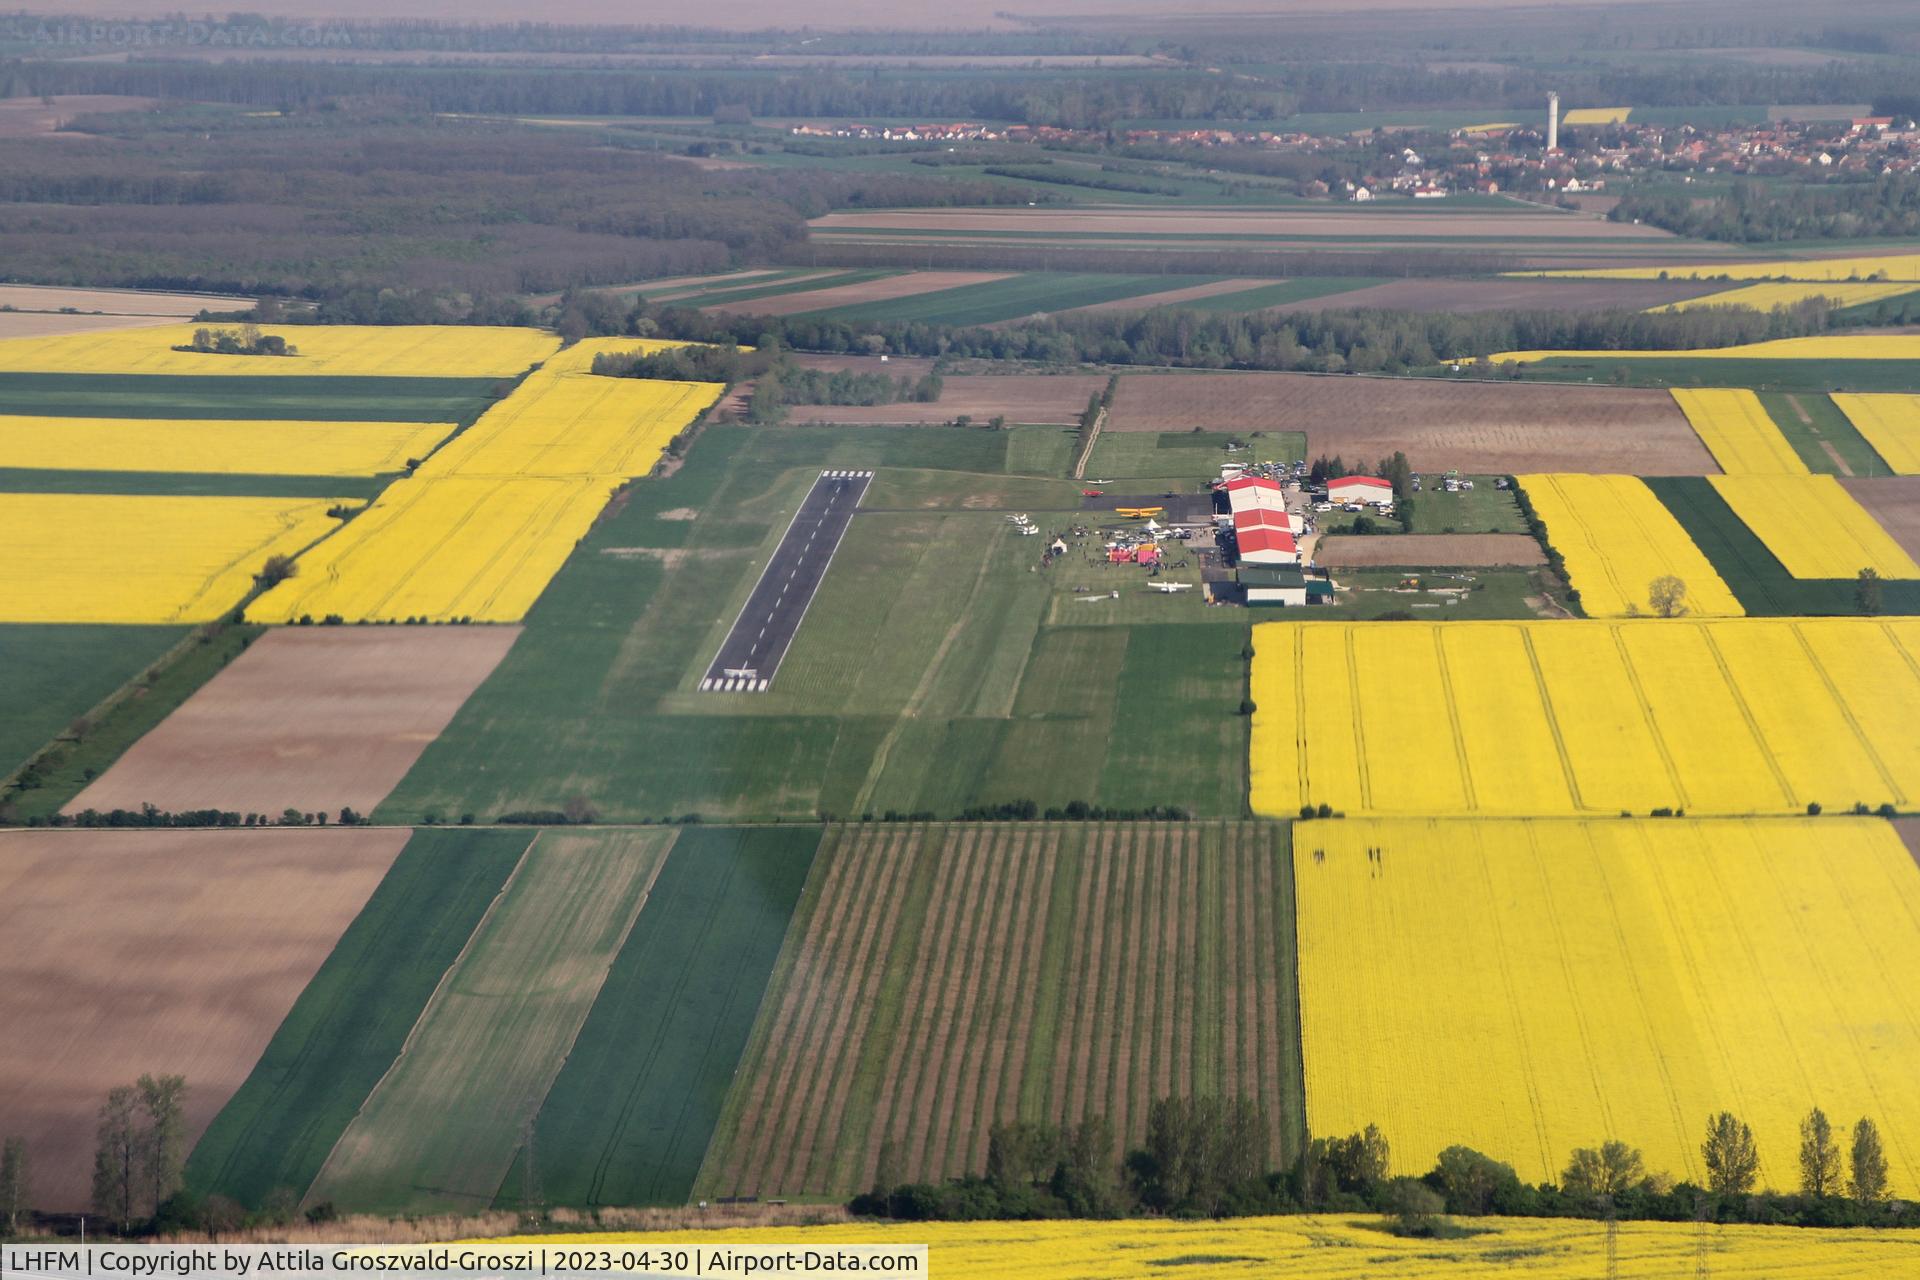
{"type": "Point", "coordinates": [33, 118]}
{"type": "Point", "coordinates": [117, 302]}
{"type": "Point", "coordinates": [1895, 502]}
{"type": "Point", "coordinates": [1171, 297]}
{"type": "Point", "coordinates": [846, 295]}
{"type": "Point", "coordinates": [1909, 829]}
{"type": "Point", "coordinates": [1498, 295]}
{"type": "Point", "coordinates": [1441, 550]}
{"type": "Point", "coordinates": [310, 718]}
{"type": "Point", "coordinates": [170, 952]}
{"type": "Point", "coordinates": [1332, 221]}
{"type": "Point", "coordinates": [1480, 427]}
{"type": "Point", "coordinates": [1041, 399]}
{"type": "Point", "coordinates": [44, 324]}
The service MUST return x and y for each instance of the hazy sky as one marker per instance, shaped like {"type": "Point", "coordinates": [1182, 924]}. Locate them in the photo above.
{"type": "Point", "coordinates": [924, 14]}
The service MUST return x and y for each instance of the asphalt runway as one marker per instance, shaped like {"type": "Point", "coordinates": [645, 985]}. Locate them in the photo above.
{"type": "Point", "coordinates": [752, 651]}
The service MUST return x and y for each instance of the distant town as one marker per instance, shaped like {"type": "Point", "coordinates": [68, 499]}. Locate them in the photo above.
{"type": "Point", "coordinates": [1552, 158]}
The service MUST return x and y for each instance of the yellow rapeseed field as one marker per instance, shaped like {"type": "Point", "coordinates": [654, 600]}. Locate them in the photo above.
{"type": "Point", "coordinates": [440, 548]}
{"type": "Point", "coordinates": [1891, 267]}
{"type": "Point", "coordinates": [1872, 346]}
{"type": "Point", "coordinates": [1331, 1248]}
{"type": "Point", "coordinates": [138, 559]}
{"type": "Point", "coordinates": [1891, 424]}
{"type": "Point", "coordinates": [1737, 430]}
{"type": "Point", "coordinates": [1597, 115]}
{"type": "Point", "coordinates": [410, 351]}
{"type": "Point", "coordinates": [1814, 526]}
{"type": "Point", "coordinates": [481, 528]}
{"type": "Point", "coordinates": [1765, 297]}
{"type": "Point", "coordinates": [1526, 987]}
{"type": "Point", "coordinates": [1713, 716]}
{"type": "Point", "coordinates": [1617, 538]}
{"type": "Point", "coordinates": [216, 446]}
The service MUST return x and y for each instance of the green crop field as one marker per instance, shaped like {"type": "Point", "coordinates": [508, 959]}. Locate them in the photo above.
{"type": "Point", "coordinates": [51, 675]}
{"type": "Point", "coordinates": [785, 283]}
{"type": "Point", "coordinates": [440, 1131]}
{"type": "Point", "coordinates": [1758, 375]}
{"type": "Point", "coordinates": [150, 697]}
{"type": "Point", "coordinates": [1813, 425]}
{"type": "Point", "coordinates": [1481, 509]}
{"type": "Point", "coordinates": [928, 692]}
{"type": "Point", "coordinates": [348, 1026]}
{"type": "Point", "coordinates": [941, 978]}
{"type": "Point", "coordinates": [1280, 293]}
{"type": "Point", "coordinates": [295, 398]}
{"type": "Point", "coordinates": [1009, 299]}
{"type": "Point", "coordinates": [630, 1115]}
{"type": "Point", "coordinates": [185, 484]}
{"type": "Point", "coordinates": [1186, 456]}
{"type": "Point", "coordinates": [1758, 580]}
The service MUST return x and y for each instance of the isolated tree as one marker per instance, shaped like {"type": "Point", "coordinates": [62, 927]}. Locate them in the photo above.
{"type": "Point", "coordinates": [116, 1157]}
{"type": "Point", "coordinates": [1819, 1155]}
{"type": "Point", "coordinates": [163, 1147]}
{"type": "Point", "coordinates": [1733, 1164]}
{"type": "Point", "coordinates": [1668, 596]}
{"type": "Point", "coordinates": [1868, 1182]}
{"type": "Point", "coordinates": [1866, 592]}
{"type": "Point", "coordinates": [1470, 1179]}
{"type": "Point", "coordinates": [276, 570]}
{"type": "Point", "coordinates": [1603, 1172]}
{"type": "Point", "coordinates": [16, 1185]}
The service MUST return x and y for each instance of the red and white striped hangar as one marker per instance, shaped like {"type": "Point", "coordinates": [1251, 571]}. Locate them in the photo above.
{"type": "Point", "coordinates": [1367, 489]}
{"type": "Point", "coordinates": [1256, 493]}
{"type": "Point", "coordinates": [1265, 538]}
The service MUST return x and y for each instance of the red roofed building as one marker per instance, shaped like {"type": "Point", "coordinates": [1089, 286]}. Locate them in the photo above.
{"type": "Point", "coordinates": [1359, 489]}
{"type": "Point", "coordinates": [1264, 538]}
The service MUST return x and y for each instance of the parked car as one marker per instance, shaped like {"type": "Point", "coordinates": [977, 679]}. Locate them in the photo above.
{"type": "Point", "coordinates": [1323, 506]}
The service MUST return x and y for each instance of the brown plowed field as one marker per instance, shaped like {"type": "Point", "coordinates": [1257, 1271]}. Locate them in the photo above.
{"type": "Point", "coordinates": [1342, 221]}
{"type": "Point", "coordinates": [1909, 829]}
{"type": "Point", "coordinates": [941, 979]}
{"type": "Point", "coordinates": [847, 295]}
{"type": "Point", "coordinates": [44, 324]}
{"type": "Point", "coordinates": [117, 302]}
{"type": "Point", "coordinates": [1895, 502]}
{"type": "Point", "coordinates": [170, 952]}
{"type": "Point", "coordinates": [1046, 399]}
{"type": "Point", "coordinates": [310, 718]}
{"type": "Point", "coordinates": [1441, 294]}
{"type": "Point", "coordinates": [1441, 550]}
{"type": "Point", "coordinates": [1484, 428]}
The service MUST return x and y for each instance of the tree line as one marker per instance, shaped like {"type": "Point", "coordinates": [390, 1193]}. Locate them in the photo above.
{"type": "Point", "coordinates": [1760, 212]}
{"type": "Point", "coordinates": [1207, 1157]}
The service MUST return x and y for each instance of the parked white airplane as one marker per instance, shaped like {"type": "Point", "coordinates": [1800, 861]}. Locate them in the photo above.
{"type": "Point", "coordinates": [1171, 587]}
{"type": "Point", "coordinates": [1111, 595]}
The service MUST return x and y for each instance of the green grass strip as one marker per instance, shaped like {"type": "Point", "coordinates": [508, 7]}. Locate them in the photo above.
{"type": "Point", "coordinates": [1681, 370]}
{"type": "Point", "coordinates": [297, 398]}
{"type": "Point", "coordinates": [1281, 293]}
{"type": "Point", "coordinates": [628, 1119]}
{"type": "Point", "coordinates": [1009, 299]}
{"type": "Point", "coordinates": [189, 484]}
{"type": "Point", "coordinates": [352, 1020]}
{"type": "Point", "coordinates": [50, 675]}
{"type": "Point", "coordinates": [1825, 423]}
{"type": "Point", "coordinates": [60, 773]}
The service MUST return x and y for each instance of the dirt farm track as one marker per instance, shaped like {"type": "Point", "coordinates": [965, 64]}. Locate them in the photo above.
{"type": "Point", "coordinates": [1478, 427]}
{"type": "Point", "coordinates": [170, 952]}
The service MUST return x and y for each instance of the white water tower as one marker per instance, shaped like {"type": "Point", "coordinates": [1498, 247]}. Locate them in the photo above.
{"type": "Point", "coordinates": [1553, 122]}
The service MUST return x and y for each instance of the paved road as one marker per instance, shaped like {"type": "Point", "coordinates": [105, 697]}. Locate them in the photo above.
{"type": "Point", "coordinates": [752, 651]}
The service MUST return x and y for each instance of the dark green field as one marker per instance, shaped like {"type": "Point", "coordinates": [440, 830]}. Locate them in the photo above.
{"type": "Point", "coordinates": [349, 1024]}
{"type": "Point", "coordinates": [1282, 292]}
{"type": "Point", "coordinates": [1010, 299]}
{"type": "Point", "coordinates": [186, 484]}
{"type": "Point", "coordinates": [62, 773]}
{"type": "Point", "coordinates": [748, 291]}
{"type": "Point", "coordinates": [293, 398]}
{"type": "Point", "coordinates": [1481, 509]}
{"type": "Point", "coordinates": [934, 672]}
{"type": "Point", "coordinates": [1758, 580]}
{"type": "Point", "coordinates": [629, 1117]}
{"type": "Point", "coordinates": [49, 675]}
{"type": "Point", "coordinates": [1813, 425]}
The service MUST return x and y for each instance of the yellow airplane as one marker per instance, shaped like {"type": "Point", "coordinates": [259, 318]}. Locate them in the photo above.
{"type": "Point", "coordinates": [1138, 513]}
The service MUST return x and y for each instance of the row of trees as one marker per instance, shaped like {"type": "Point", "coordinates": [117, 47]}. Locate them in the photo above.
{"type": "Point", "coordinates": [1208, 1157]}
{"type": "Point", "coordinates": [1757, 211]}
{"type": "Point", "coordinates": [1332, 341]}
{"type": "Point", "coordinates": [785, 384]}
{"type": "Point", "coordinates": [140, 1160]}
